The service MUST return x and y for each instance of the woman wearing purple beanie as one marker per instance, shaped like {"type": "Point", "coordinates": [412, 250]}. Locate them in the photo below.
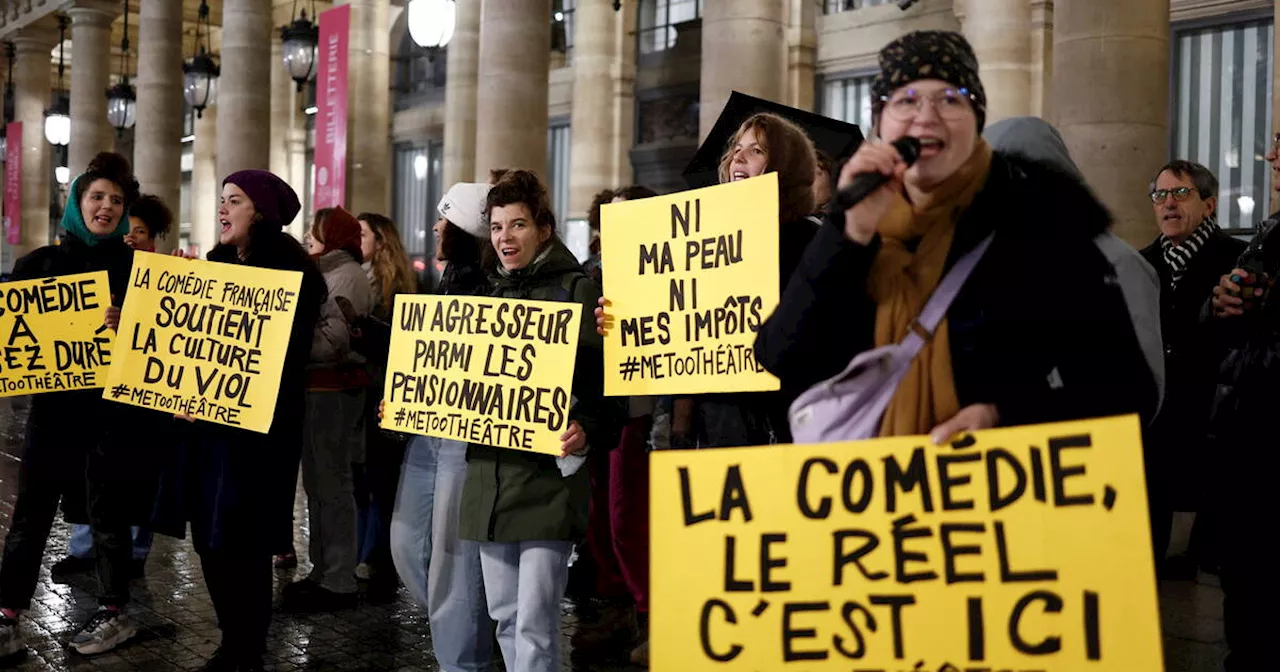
{"type": "Point", "coordinates": [234, 486]}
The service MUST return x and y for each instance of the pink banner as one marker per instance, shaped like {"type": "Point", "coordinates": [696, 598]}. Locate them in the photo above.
{"type": "Point", "coordinates": [13, 184]}
{"type": "Point", "coordinates": [331, 113]}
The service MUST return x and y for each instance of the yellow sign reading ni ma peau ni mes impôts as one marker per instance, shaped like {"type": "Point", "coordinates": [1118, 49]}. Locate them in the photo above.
{"type": "Point", "coordinates": [690, 277]}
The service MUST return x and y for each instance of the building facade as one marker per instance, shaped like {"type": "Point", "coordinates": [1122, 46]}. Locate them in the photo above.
{"type": "Point", "coordinates": [596, 94]}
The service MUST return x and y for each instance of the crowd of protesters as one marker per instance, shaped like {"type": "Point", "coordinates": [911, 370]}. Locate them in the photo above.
{"type": "Point", "coordinates": [489, 541]}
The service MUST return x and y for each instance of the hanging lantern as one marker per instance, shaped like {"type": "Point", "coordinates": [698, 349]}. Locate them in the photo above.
{"type": "Point", "coordinates": [122, 106]}
{"type": "Point", "coordinates": [57, 119]}
{"type": "Point", "coordinates": [431, 22]}
{"type": "Point", "coordinates": [200, 74]}
{"type": "Point", "coordinates": [122, 100]}
{"type": "Point", "coordinates": [300, 38]}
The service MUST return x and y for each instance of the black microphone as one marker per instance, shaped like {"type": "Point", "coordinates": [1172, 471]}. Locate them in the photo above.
{"type": "Point", "coordinates": [865, 183]}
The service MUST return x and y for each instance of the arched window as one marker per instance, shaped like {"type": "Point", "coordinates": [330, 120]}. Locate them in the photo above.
{"type": "Point", "coordinates": [658, 19]}
{"type": "Point", "coordinates": [419, 75]}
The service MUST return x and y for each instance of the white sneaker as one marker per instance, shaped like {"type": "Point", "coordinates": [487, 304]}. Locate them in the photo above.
{"type": "Point", "coordinates": [106, 630]}
{"type": "Point", "coordinates": [10, 639]}
{"type": "Point", "coordinates": [365, 571]}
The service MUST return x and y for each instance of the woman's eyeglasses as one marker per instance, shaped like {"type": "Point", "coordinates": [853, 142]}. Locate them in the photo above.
{"type": "Point", "coordinates": [1180, 194]}
{"type": "Point", "coordinates": [950, 104]}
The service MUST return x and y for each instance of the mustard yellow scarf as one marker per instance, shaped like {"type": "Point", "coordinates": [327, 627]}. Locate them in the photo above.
{"type": "Point", "coordinates": [915, 239]}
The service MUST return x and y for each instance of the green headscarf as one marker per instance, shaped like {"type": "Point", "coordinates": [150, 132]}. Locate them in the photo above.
{"type": "Point", "coordinates": [73, 220]}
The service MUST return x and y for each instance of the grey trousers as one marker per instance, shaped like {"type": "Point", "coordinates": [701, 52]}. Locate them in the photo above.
{"type": "Point", "coordinates": [332, 436]}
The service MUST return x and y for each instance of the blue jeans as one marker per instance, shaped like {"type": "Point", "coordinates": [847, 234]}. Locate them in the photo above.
{"type": "Point", "coordinates": [441, 571]}
{"type": "Point", "coordinates": [81, 543]}
{"type": "Point", "coordinates": [525, 583]}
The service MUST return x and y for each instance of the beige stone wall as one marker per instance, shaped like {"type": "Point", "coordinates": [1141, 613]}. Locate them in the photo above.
{"type": "Point", "coordinates": [850, 40]}
{"type": "Point", "coordinates": [560, 92]}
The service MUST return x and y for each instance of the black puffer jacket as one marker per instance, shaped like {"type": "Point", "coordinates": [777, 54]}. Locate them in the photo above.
{"type": "Point", "coordinates": [50, 436]}
{"type": "Point", "coordinates": [1040, 330]}
{"type": "Point", "coordinates": [758, 418]}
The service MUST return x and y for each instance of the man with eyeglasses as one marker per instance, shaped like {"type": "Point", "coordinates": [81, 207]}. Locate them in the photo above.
{"type": "Point", "coordinates": [1190, 255]}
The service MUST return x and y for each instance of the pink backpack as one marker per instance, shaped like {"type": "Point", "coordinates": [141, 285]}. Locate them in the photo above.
{"type": "Point", "coordinates": [850, 405]}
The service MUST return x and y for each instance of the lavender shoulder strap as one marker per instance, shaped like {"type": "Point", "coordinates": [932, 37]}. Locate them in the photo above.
{"type": "Point", "coordinates": [924, 326]}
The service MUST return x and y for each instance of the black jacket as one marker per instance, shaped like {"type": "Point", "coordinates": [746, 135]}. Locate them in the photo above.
{"type": "Point", "coordinates": [757, 418]}
{"type": "Point", "coordinates": [235, 486]}
{"type": "Point", "coordinates": [1040, 329]}
{"type": "Point", "coordinates": [1191, 356]}
{"type": "Point", "coordinates": [66, 426]}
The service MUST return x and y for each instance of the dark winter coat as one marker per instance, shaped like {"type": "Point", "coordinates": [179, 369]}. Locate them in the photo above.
{"type": "Point", "coordinates": [1247, 393]}
{"type": "Point", "coordinates": [1040, 330]}
{"type": "Point", "coordinates": [66, 426]}
{"type": "Point", "coordinates": [757, 418]}
{"type": "Point", "coordinates": [235, 486]}
{"type": "Point", "coordinates": [512, 496]}
{"type": "Point", "coordinates": [1191, 359]}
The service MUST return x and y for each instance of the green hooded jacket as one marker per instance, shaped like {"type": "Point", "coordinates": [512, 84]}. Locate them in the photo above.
{"type": "Point", "coordinates": [512, 496]}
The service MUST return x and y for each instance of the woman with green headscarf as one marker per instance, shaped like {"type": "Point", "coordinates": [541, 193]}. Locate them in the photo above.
{"type": "Point", "coordinates": [64, 428]}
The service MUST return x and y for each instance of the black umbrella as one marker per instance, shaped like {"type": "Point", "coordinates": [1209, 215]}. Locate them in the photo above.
{"type": "Point", "coordinates": [837, 139]}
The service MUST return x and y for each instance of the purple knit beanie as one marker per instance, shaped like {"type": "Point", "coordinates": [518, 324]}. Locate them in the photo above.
{"type": "Point", "coordinates": [272, 196]}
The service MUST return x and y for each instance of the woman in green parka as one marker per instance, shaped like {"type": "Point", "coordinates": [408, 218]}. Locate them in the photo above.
{"type": "Point", "coordinates": [527, 509]}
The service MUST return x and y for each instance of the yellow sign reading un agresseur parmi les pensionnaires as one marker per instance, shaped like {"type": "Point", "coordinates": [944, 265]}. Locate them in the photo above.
{"type": "Point", "coordinates": [498, 372]}
{"type": "Point", "coordinates": [204, 339]}
{"type": "Point", "coordinates": [1021, 549]}
{"type": "Point", "coordinates": [690, 277]}
{"type": "Point", "coordinates": [53, 334]}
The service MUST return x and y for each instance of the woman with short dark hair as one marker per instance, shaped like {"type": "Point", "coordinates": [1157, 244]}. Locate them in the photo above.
{"type": "Point", "coordinates": [526, 509]}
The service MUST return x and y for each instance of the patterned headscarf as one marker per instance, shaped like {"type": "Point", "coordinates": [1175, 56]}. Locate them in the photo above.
{"type": "Point", "coordinates": [929, 54]}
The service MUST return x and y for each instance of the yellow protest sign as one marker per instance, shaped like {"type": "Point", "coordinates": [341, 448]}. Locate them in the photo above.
{"type": "Point", "coordinates": [690, 277]}
{"type": "Point", "coordinates": [1022, 549]}
{"type": "Point", "coordinates": [204, 338]}
{"type": "Point", "coordinates": [498, 372]}
{"type": "Point", "coordinates": [54, 336]}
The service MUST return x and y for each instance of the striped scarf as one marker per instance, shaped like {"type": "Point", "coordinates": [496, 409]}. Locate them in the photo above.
{"type": "Point", "coordinates": [1178, 257]}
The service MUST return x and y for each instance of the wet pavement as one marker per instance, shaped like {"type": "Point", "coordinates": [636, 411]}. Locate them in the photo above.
{"type": "Point", "coordinates": [177, 626]}
{"type": "Point", "coordinates": [178, 630]}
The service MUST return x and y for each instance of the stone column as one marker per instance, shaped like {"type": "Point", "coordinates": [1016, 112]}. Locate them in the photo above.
{"type": "Point", "coordinates": [460, 96]}
{"type": "Point", "coordinates": [286, 117]}
{"type": "Point", "coordinates": [244, 89]}
{"type": "Point", "coordinates": [591, 143]}
{"type": "Point", "coordinates": [802, 52]}
{"type": "Point", "coordinates": [1000, 32]}
{"type": "Point", "coordinates": [205, 185]}
{"type": "Point", "coordinates": [1121, 138]}
{"type": "Point", "coordinates": [92, 62]}
{"type": "Point", "coordinates": [369, 107]}
{"type": "Point", "coordinates": [157, 149]}
{"type": "Point", "coordinates": [1041, 57]}
{"type": "Point", "coordinates": [744, 48]}
{"type": "Point", "coordinates": [624, 93]}
{"type": "Point", "coordinates": [32, 82]}
{"type": "Point", "coordinates": [511, 93]}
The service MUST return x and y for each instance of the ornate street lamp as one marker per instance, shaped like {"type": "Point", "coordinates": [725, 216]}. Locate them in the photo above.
{"type": "Point", "coordinates": [57, 119]}
{"type": "Point", "coordinates": [200, 74]}
{"type": "Point", "coordinates": [431, 22]}
{"type": "Point", "coordinates": [300, 38]}
{"type": "Point", "coordinates": [122, 100]}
